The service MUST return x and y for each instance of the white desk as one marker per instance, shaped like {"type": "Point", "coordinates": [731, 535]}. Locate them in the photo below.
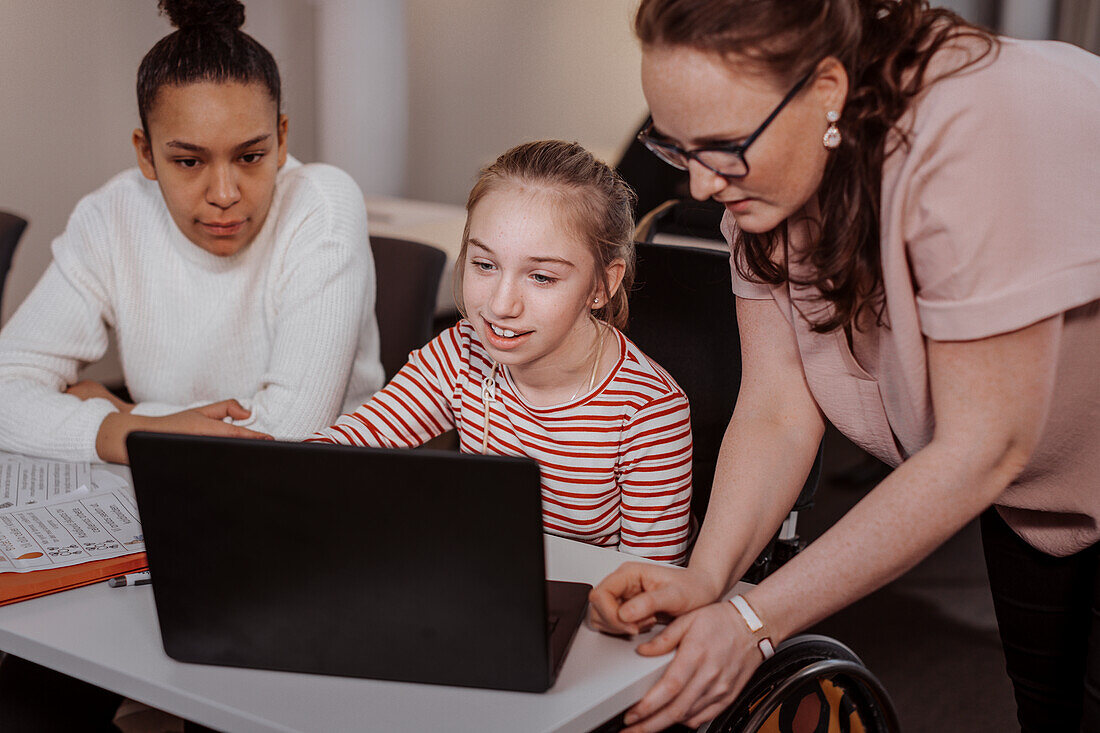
{"type": "Point", "coordinates": [110, 637]}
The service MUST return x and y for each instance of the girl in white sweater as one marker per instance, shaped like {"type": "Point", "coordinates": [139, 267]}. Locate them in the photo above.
{"type": "Point", "coordinates": [238, 282]}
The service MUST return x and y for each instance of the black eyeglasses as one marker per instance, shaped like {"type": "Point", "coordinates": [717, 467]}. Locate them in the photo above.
{"type": "Point", "coordinates": [727, 161]}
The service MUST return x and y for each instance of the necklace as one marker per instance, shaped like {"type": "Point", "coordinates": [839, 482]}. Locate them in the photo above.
{"type": "Point", "coordinates": [595, 364]}
{"type": "Point", "coordinates": [489, 387]}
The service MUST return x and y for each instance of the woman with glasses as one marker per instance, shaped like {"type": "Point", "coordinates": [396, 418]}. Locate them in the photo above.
{"type": "Point", "coordinates": [913, 213]}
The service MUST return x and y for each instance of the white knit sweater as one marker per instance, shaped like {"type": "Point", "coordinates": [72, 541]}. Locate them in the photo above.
{"type": "Point", "coordinates": [286, 326]}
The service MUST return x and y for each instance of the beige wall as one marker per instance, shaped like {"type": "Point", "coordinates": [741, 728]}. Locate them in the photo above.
{"type": "Point", "coordinates": [362, 91]}
{"type": "Point", "coordinates": [67, 75]}
{"type": "Point", "coordinates": [487, 74]}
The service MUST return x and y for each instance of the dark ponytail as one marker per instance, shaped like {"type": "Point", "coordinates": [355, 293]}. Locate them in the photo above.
{"type": "Point", "coordinates": [208, 46]}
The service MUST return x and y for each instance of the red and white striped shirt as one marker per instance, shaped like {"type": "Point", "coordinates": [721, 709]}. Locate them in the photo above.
{"type": "Point", "coordinates": [615, 462]}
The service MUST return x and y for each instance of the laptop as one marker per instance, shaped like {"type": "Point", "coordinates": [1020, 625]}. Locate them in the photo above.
{"type": "Point", "coordinates": [411, 565]}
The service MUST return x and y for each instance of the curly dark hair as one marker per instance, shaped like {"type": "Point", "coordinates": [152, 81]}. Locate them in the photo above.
{"type": "Point", "coordinates": [208, 45]}
{"type": "Point", "coordinates": [885, 47]}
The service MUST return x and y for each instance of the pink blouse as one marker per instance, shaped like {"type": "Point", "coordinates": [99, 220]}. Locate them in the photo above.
{"type": "Point", "coordinates": [990, 223]}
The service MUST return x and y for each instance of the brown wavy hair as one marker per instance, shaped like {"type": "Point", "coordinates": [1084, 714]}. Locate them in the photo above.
{"type": "Point", "coordinates": [885, 47]}
{"type": "Point", "coordinates": [597, 203]}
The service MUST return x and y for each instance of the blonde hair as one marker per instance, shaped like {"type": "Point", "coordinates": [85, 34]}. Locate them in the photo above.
{"type": "Point", "coordinates": [597, 201]}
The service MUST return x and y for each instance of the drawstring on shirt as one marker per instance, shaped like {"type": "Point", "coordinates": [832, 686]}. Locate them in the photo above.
{"type": "Point", "coordinates": [489, 387]}
{"type": "Point", "coordinates": [488, 394]}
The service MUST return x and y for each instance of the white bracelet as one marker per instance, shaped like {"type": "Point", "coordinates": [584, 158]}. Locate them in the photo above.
{"type": "Point", "coordinates": [754, 623]}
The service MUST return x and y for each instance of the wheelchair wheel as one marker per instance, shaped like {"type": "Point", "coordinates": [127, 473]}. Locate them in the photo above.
{"type": "Point", "coordinates": [813, 684]}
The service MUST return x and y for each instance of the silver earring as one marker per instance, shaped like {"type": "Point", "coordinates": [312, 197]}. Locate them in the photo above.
{"type": "Point", "coordinates": [831, 140]}
{"type": "Point", "coordinates": [595, 301]}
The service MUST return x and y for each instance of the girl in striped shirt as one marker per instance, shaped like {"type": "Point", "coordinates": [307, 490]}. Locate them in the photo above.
{"type": "Point", "coordinates": [538, 366]}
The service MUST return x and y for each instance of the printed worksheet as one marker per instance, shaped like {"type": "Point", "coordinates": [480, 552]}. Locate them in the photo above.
{"type": "Point", "coordinates": [54, 514]}
{"type": "Point", "coordinates": [29, 481]}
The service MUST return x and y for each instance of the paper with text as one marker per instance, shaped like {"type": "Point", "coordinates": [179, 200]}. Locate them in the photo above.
{"type": "Point", "coordinates": [54, 514]}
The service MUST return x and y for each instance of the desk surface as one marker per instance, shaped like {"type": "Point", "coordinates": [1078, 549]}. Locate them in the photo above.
{"type": "Point", "coordinates": [110, 637]}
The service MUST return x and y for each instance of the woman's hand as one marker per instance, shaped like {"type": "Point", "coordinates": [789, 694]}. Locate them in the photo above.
{"type": "Point", "coordinates": [209, 419]}
{"type": "Point", "coordinates": [715, 656]}
{"type": "Point", "coordinates": [633, 598]}
{"type": "Point", "coordinates": [88, 389]}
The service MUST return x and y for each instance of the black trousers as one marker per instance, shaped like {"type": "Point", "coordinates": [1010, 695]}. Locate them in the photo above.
{"type": "Point", "coordinates": [36, 699]}
{"type": "Point", "coordinates": [1048, 611]}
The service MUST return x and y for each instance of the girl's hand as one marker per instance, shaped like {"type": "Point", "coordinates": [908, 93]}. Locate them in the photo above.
{"type": "Point", "coordinates": [206, 420]}
{"type": "Point", "coordinates": [88, 389]}
{"type": "Point", "coordinates": [716, 654]}
{"type": "Point", "coordinates": [634, 597]}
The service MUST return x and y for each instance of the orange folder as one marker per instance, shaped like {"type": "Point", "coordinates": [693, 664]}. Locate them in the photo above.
{"type": "Point", "coordinates": [23, 586]}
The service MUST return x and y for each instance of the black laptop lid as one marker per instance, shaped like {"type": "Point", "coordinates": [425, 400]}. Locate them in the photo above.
{"type": "Point", "coordinates": [421, 566]}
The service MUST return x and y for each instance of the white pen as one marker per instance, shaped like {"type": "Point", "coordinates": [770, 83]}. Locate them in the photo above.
{"type": "Point", "coordinates": [122, 581]}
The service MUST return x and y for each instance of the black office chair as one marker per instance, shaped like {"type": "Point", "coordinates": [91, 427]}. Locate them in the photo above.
{"type": "Point", "coordinates": [407, 274]}
{"type": "Point", "coordinates": [656, 182]}
{"type": "Point", "coordinates": [683, 218]}
{"type": "Point", "coordinates": [11, 229]}
{"type": "Point", "coordinates": [682, 314]}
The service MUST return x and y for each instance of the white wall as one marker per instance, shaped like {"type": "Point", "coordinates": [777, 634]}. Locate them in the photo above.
{"type": "Point", "coordinates": [1028, 18]}
{"type": "Point", "coordinates": [362, 91]}
{"type": "Point", "coordinates": [67, 113]}
{"type": "Point", "coordinates": [976, 11]}
{"type": "Point", "coordinates": [1016, 18]}
{"type": "Point", "coordinates": [485, 75]}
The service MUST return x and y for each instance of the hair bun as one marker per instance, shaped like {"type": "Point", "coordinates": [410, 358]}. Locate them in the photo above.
{"type": "Point", "coordinates": [189, 13]}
